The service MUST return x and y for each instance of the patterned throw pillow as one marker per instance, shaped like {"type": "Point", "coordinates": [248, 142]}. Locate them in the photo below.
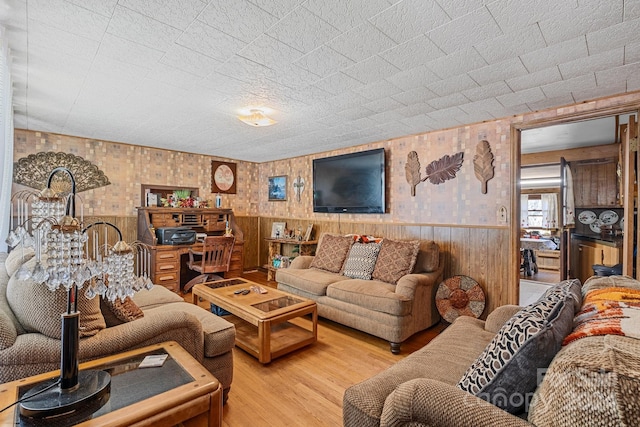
{"type": "Point", "coordinates": [506, 373]}
{"type": "Point", "coordinates": [119, 312]}
{"type": "Point", "coordinates": [361, 260]}
{"type": "Point", "coordinates": [396, 259]}
{"type": "Point", "coordinates": [332, 252]}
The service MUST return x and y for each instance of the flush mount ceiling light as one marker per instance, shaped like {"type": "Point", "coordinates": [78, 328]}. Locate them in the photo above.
{"type": "Point", "coordinates": [257, 118]}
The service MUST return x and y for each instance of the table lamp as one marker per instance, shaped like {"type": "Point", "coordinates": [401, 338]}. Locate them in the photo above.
{"type": "Point", "coordinates": [77, 256]}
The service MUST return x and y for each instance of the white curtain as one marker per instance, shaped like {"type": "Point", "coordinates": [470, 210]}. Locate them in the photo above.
{"type": "Point", "coordinates": [550, 210]}
{"type": "Point", "coordinates": [6, 141]}
{"type": "Point", "coordinates": [524, 211]}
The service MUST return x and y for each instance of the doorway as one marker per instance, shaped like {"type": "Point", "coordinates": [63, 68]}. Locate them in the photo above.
{"type": "Point", "coordinates": [584, 140]}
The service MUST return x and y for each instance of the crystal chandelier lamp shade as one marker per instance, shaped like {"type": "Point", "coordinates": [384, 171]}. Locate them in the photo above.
{"type": "Point", "coordinates": [71, 256]}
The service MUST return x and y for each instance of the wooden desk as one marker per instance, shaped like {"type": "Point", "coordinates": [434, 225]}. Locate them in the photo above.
{"type": "Point", "coordinates": [167, 269]}
{"type": "Point", "coordinates": [195, 400]}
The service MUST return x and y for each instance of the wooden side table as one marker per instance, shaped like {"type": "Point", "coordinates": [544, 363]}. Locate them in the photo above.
{"type": "Point", "coordinates": [180, 392]}
{"type": "Point", "coordinates": [287, 247]}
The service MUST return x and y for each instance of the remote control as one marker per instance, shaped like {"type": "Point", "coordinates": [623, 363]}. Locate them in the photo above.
{"type": "Point", "coordinates": [245, 291]}
{"type": "Point", "coordinates": [239, 291]}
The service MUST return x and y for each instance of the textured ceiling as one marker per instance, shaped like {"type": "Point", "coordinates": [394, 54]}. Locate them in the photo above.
{"type": "Point", "coordinates": [334, 73]}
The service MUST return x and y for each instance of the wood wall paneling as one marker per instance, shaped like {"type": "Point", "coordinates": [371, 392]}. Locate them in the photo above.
{"type": "Point", "coordinates": [476, 252]}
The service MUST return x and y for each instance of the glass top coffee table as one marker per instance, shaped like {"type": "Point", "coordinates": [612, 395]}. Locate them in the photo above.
{"type": "Point", "coordinates": [179, 391]}
{"type": "Point", "coordinates": [263, 320]}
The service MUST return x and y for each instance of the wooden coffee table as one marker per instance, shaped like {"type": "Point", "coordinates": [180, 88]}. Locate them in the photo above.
{"type": "Point", "coordinates": [180, 392]}
{"type": "Point", "coordinates": [263, 321]}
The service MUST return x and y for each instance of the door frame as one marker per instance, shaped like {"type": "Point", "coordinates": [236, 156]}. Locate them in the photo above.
{"type": "Point", "coordinates": [516, 152]}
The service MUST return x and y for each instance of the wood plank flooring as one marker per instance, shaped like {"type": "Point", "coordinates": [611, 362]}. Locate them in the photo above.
{"type": "Point", "coordinates": [305, 388]}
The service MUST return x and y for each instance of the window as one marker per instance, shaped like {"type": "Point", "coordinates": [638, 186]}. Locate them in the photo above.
{"type": "Point", "coordinates": [539, 211]}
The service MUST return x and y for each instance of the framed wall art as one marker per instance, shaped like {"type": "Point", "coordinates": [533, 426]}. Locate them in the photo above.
{"type": "Point", "coordinates": [223, 177]}
{"type": "Point", "coordinates": [307, 234]}
{"type": "Point", "coordinates": [277, 230]}
{"type": "Point", "coordinates": [277, 188]}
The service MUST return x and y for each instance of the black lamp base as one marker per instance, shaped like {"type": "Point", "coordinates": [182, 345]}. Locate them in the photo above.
{"type": "Point", "coordinates": [92, 386]}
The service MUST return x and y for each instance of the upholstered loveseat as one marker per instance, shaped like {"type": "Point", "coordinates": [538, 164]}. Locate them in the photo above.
{"type": "Point", "coordinates": [30, 327]}
{"type": "Point", "coordinates": [384, 288]}
{"type": "Point", "coordinates": [485, 373]}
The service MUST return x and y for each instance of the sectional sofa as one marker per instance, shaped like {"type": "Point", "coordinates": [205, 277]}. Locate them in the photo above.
{"type": "Point", "coordinates": [30, 326]}
{"type": "Point", "coordinates": [570, 359]}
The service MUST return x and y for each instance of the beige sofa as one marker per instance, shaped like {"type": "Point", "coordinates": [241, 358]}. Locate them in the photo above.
{"type": "Point", "coordinates": [594, 380]}
{"type": "Point", "coordinates": [29, 346]}
{"type": "Point", "coordinates": [389, 309]}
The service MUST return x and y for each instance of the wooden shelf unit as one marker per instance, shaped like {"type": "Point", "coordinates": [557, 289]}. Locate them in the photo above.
{"type": "Point", "coordinates": [287, 247]}
{"type": "Point", "coordinates": [167, 267]}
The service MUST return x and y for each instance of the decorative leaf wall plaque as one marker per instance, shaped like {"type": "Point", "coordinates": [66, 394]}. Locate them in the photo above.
{"type": "Point", "coordinates": [412, 171]}
{"type": "Point", "coordinates": [33, 171]}
{"type": "Point", "coordinates": [444, 168]}
{"type": "Point", "coordinates": [483, 164]}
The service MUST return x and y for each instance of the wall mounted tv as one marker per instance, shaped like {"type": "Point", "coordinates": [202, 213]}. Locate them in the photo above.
{"type": "Point", "coordinates": [350, 183]}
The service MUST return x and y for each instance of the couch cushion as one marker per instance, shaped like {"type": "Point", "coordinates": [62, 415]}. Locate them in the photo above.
{"type": "Point", "coordinates": [219, 334]}
{"type": "Point", "coordinates": [396, 259]}
{"type": "Point", "coordinates": [311, 280]}
{"type": "Point", "coordinates": [361, 260]}
{"type": "Point", "coordinates": [157, 295]}
{"type": "Point", "coordinates": [428, 257]}
{"type": "Point", "coordinates": [331, 253]}
{"type": "Point", "coordinates": [38, 309]}
{"type": "Point", "coordinates": [4, 303]}
{"type": "Point", "coordinates": [17, 257]}
{"type": "Point", "coordinates": [119, 312]}
{"type": "Point", "coordinates": [8, 333]}
{"type": "Point", "coordinates": [507, 371]}
{"type": "Point", "coordinates": [371, 294]}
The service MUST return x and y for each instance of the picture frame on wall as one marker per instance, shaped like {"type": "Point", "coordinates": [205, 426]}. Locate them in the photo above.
{"type": "Point", "coordinates": [223, 177]}
{"type": "Point", "coordinates": [277, 230]}
{"type": "Point", "coordinates": [277, 188]}
{"type": "Point", "coordinates": [307, 234]}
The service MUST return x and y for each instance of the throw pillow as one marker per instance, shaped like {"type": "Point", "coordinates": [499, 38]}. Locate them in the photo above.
{"type": "Point", "coordinates": [428, 257]}
{"type": "Point", "coordinates": [119, 312]}
{"type": "Point", "coordinates": [396, 259]}
{"type": "Point", "coordinates": [506, 373]}
{"type": "Point", "coordinates": [332, 252]}
{"type": "Point", "coordinates": [17, 257]}
{"type": "Point", "coordinates": [361, 260]}
{"type": "Point", "coordinates": [38, 309]}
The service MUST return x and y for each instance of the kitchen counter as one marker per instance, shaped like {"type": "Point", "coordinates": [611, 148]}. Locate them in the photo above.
{"type": "Point", "coordinates": [613, 241]}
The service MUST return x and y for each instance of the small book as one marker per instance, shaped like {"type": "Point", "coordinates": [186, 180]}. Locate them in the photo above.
{"type": "Point", "coordinates": [153, 361]}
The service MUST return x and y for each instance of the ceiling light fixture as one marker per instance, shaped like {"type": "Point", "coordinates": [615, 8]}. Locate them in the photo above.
{"type": "Point", "coordinates": [257, 118]}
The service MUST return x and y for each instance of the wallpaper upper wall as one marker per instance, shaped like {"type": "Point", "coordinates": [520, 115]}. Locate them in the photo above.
{"type": "Point", "coordinates": [129, 166]}
{"type": "Point", "coordinates": [455, 202]}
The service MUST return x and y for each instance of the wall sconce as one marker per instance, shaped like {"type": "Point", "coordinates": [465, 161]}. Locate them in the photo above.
{"type": "Point", "coordinates": [257, 118]}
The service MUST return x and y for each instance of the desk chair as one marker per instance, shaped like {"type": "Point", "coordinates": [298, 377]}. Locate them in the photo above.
{"type": "Point", "coordinates": [214, 258]}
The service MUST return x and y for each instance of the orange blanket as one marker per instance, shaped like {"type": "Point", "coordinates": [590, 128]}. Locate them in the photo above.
{"type": "Point", "coordinates": [614, 311]}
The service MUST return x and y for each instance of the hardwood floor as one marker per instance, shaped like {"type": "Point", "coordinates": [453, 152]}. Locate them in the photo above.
{"type": "Point", "coordinates": [305, 388]}
{"type": "Point", "coordinates": [546, 276]}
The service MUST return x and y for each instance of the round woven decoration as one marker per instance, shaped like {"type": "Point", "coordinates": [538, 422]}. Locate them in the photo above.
{"type": "Point", "coordinates": [459, 296]}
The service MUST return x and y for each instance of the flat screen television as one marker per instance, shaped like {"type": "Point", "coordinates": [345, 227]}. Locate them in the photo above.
{"type": "Point", "coordinates": [350, 183]}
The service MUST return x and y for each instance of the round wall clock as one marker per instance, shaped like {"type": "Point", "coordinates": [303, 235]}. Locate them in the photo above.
{"type": "Point", "coordinates": [223, 177]}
